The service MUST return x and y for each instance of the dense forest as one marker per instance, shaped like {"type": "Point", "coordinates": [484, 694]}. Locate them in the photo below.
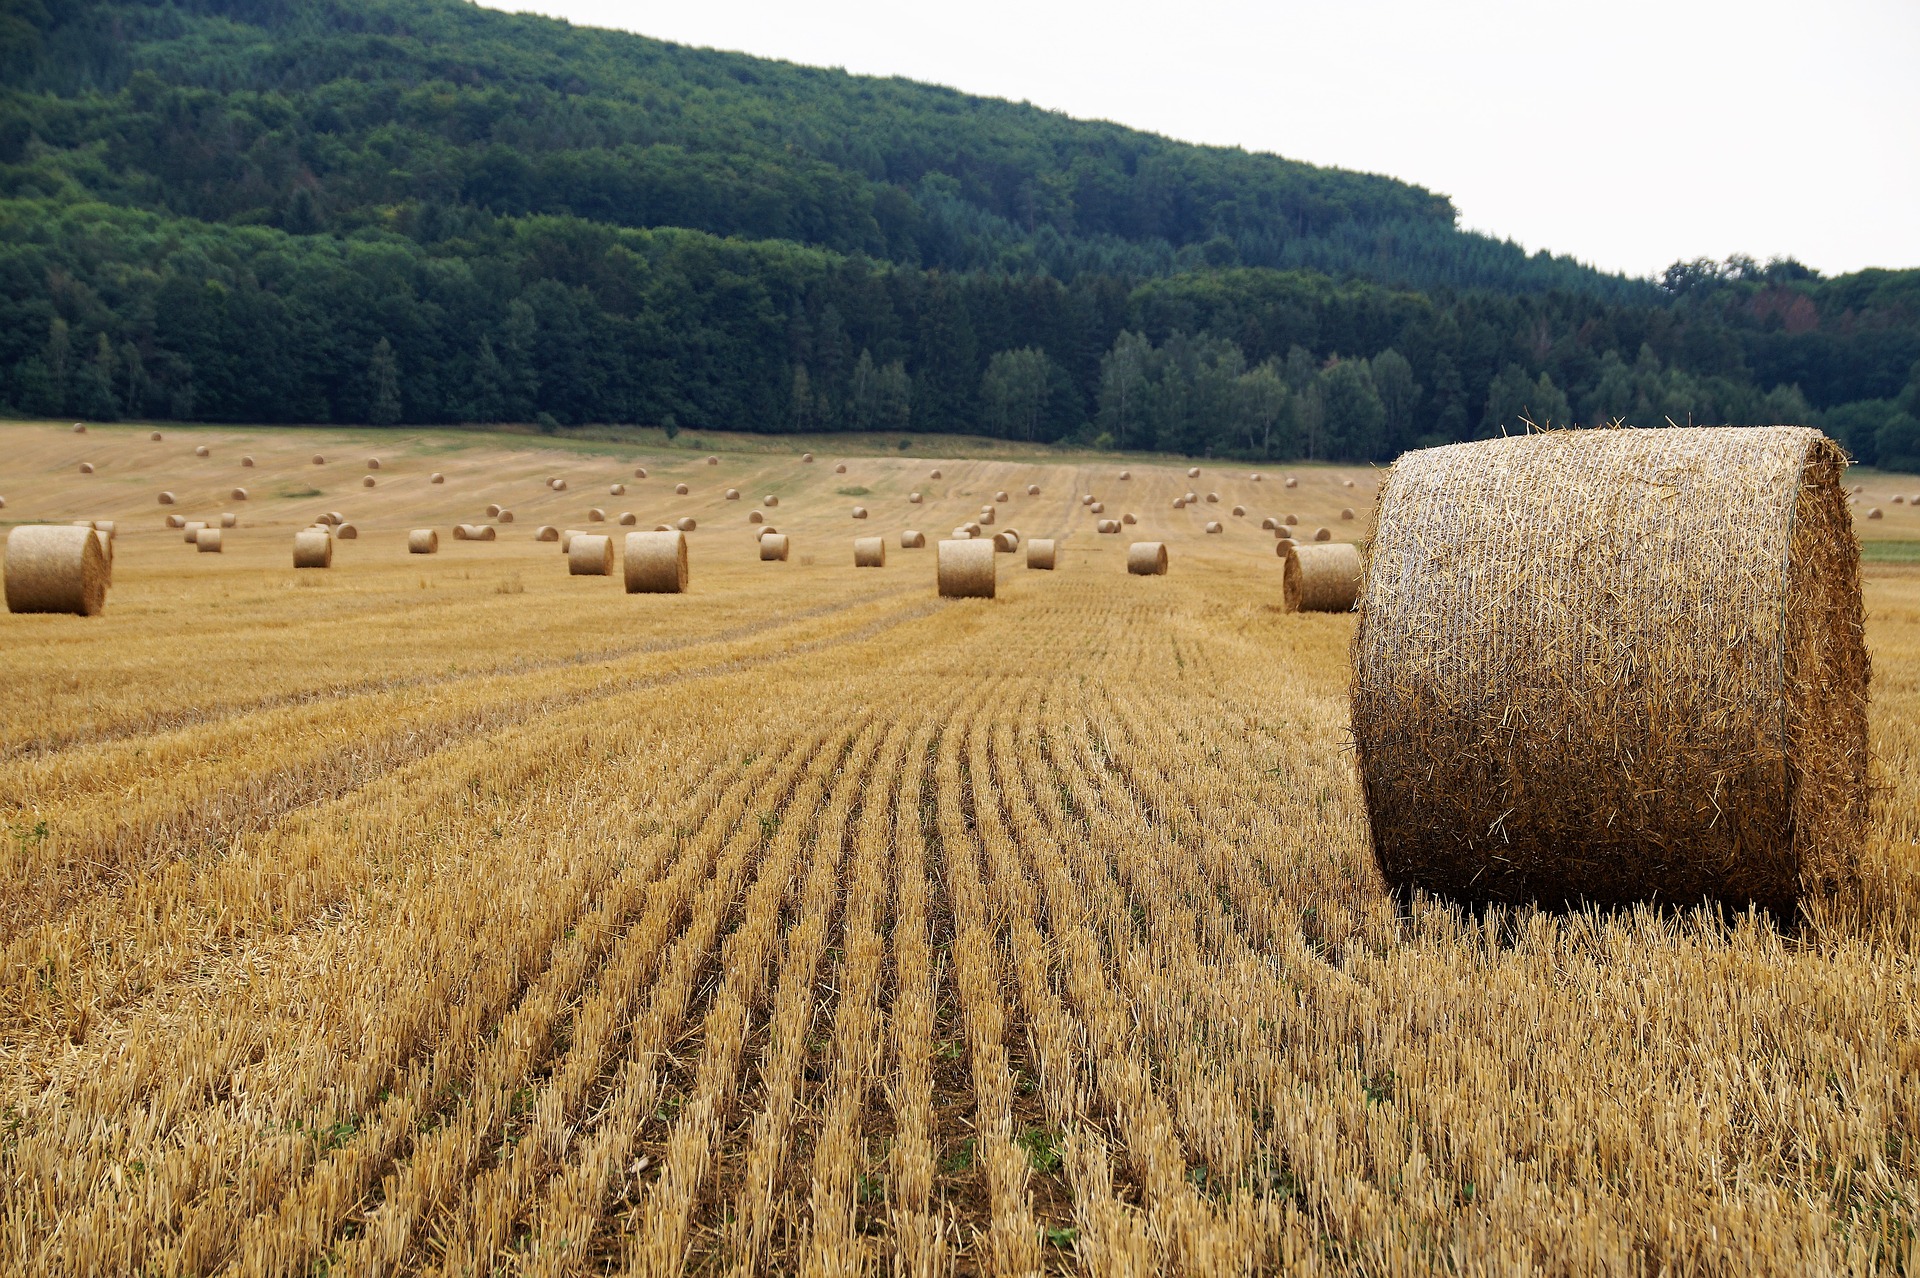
{"type": "Point", "coordinates": [420, 211]}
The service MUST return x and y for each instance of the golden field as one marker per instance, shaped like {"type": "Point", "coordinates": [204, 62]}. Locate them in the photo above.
{"type": "Point", "coordinates": [451, 914]}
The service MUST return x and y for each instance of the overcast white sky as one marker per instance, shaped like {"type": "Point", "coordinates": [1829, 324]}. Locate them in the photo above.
{"type": "Point", "coordinates": [1629, 134]}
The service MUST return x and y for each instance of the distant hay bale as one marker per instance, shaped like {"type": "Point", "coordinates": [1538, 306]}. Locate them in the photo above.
{"type": "Point", "coordinates": [859, 512]}
{"type": "Point", "coordinates": [1347, 513]}
{"type": "Point", "coordinates": [973, 527]}
{"type": "Point", "coordinates": [1193, 472]}
{"type": "Point", "coordinates": [193, 527]}
{"type": "Point", "coordinates": [1086, 499]}
{"type": "Point", "coordinates": [246, 463]}
{"type": "Point", "coordinates": [965, 569]}
{"type": "Point", "coordinates": [1291, 520]}
{"type": "Point", "coordinates": [436, 478]}
{"type": "Point", "coordinates": [1644, 677]}
{"type": "Point", "coordinates": [733, 494]}
{"type": "Point", "coordinates": [166, 499]}
{"type": "Point", "coordinates": [201, 450]}
{"type": "Point", "coordinates": [840, 468]}
{"type": "Point", "coordinates": [680, 490]}
{"type": "Point", "coordinates": [1255, 476]}
{"type": "Point", "coordinates": [773, 547]}
{"type": "Point", "coordinates": [1213, 497]}
{"type": "Point", "coordinates": [656, 563]}
{"type": "Point", "coordinates": [209, 541]}
{"type": "Point", "coordinates": [238, 494]}
{"type": "Point", "coordinates": [1323, 534]}
{"type": "Point", "coordinates": [986, 517]}
{"type": "Point", "coordinates": [1239, 512]}
{"type": "Point", "coordinates": [914, 498]}
{"type": "Point", "coordinates": [1292, 482]}
{"type": "Point", "coordinates": [1107, 526]}
{"type": "Point", "coordinates": [313, 548]}
{"type": "Point", "coordinates": [628, 519]}
{"type": "Point", "coordinates": [425, 541]}
{"type": "Point", "coordinates": [366, 481]}
{"type": "Point", "coordinates": [596, 516]}
{"type": "Point", "coordinates": [1128, 518]}
{"type": "Point", "coordinates": [1213, 526]}
{"type": "Point", "coordinates": [933, 474]}
{"type": "Point", "coordinates": [1899, 500]}
{"type": "Point", "coordinates": [686, 523]}
{"type": "Point", "coordinates": [590, 555]}
{"type": "Point", "coordinates": [1321, 579]}
{"type": "Point", "coordinates": [1040, 553]}
{"type": "Point", "coordinates": [713, 461]}
{"type": "Point", "coordinates": [806, 457]}
{"type": "Point", "coordinates": [1179, 503]}
{"type": "Point", "coordinates": [1348, 483]}
{"type": "Point", "coordinates": [506, 516]}
{"type": "Point", "coordinates": [334, 517]}
{"type": "Point", "coordinates": [318, 460]}
{"type": "Point", "coordinates": [86, 468]}
{"type": "Point", "coordinates": [639, 472]}
{"type": "Point", "coordinates": [229, 520]}
{"type": "Point", "coordinates": [1000, 496]}
{"type": "Point", "coordinates": [351, 532]}
{"type": "Point", "coordinates": [616, 490]}
{"type": "Point", "coordinates": [1269, 524]}
{"type": "Point", "coordinates": [154, 436]}
{"type": "Point", "coordinates": [493, 510]}
{"type": "Point", "coordinates": [768, 531]}
{"type": "Point", "coordinates": [473, 532]}
{"type": "Point", "coordinates": [913, 540]}
{"type": "Point", "coordinates": [1098, 508]}
{"type": "Point", "coordinates": [1285, 546]}
{"type": "Point", "coordinates": [79, 428]}
{"type": "Point", "coordinates": [1033, 490]}
{"type": "Point", "coordinates": [962, 533]}
{"type": "Point", "coordinates": [1190, 498]}
{"type": "Point", "coordinates": [373, 463]}
{"type": "Point", "coordinates": [869, 552]}
{"type": "Point", "coordinates": [1126, 474]}
{"type": "Point", "coordinates": [55, 568]}
{"type": "Point", "coordinates": [1874, 513]}
{"type": "Point", "coordinates": [769, 501]}
{"type": "Point", "coordinates": [558, 485]}
{"type": "Point", "coordinates": [755, 517]}
{"type": "Point", "coordinates": [176, 521]}
{"type": "Point", "coordinates": [545, 532]}
{"type": "Point", "coordinates": [1006, 542]}
{"type": "Point", "coordinates": [1147, 559]}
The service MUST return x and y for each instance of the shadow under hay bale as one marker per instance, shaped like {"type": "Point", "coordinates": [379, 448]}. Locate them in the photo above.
{"type": "Point", "coordinates": [1643, 678]}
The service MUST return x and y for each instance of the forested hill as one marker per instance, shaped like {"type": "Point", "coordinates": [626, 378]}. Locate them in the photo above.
{"type": "Point", "coordinates": [419, 210]}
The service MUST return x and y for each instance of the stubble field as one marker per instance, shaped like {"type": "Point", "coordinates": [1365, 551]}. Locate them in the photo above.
{"type": "Point", "coordinates": [451, 914]}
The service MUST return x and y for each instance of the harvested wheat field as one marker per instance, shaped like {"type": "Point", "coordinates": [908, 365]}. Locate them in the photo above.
{"type": "Point", "coordinates": [453, 913]}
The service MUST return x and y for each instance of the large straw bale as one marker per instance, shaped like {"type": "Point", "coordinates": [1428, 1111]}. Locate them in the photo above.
{"type": "Point", "coordinates": [913, 498]}
{"type": "Point", "coordinates": [713, 461]}
{"type": "Point", "coordinates": [840, 468]}
{"type": "Point", "coordinates": [965, 569]}
{"type": "Point", "coordinates": [986, 517]}
{"type": "Point", "coordinates": [79, 428]}
{"type": "Point", "coordinates": [493, 510]}
{"type": "Point", "coordinates": [506, 516]}
{"type": "Point", "coordinates": [317, 459]}
{"type": "Point", "coordinates": [56, 568]}
{"type": "Point", "coordinates": [1292, 482]}
{"type": "Point", "coordinates": [1000, 496]}
{"type": "Point", "coordinates": [1321, 578]}
{"type": "Point", "coordinates": [209, 541]}
{"type": "Point", "coordinates": [768, 531]}
{"type": "Point", "coordinates": [1179, 503]}
{"type": "Point", "coordinates": [1323, 534]}
{"type": "Point", "coordinates": [1147, 559]}
{"type": "Point", "coordinates": [313, 548]}
{"type": "Point", "coordinates": [770, 501]}
{"type": "Point", "coordinates": [973, 527]}
{"type": "Point", "coordinates": [154, 436]}
{"type": "Point", "coordinates": [335, 518]}
{"type": "Point", "coordinates": [1643, 678]}
{"type": "Point", "coordinates": [934, 473]}
{"type": "Point", "coordinates": [733, 494]}
{"type": "Point", "coordinates": [1285, 547]}
{"type": "Point", "coordinates": [1128, 518]}
{"type": "Point", "coordinates": [806, 457]}
{"type": "Point", "coordinates": [474, 532]}
{"type": "Point", "coordinates": [1874, 513]}
{"type": "Point", "coordinates": [962, 533]}
{"type": "Point", "coordinates": [1213, 526]}
{"type": "Point", "coordinates": [1193, 472]}
{"type": "Point", "coordinates": [1126, 474]}
{"type": "Point", "coordinates": [912, 539]}
{"type": "Point", "coordinates": [558, 485]}
{"type": "Point", "coordinates": [1255, 476]}
{"type": "Point", "coordinates": [656, 563]}
{"type": "Point", "coordinates": [1040, 553]}
{"type": "Point", "coordinates": [590, 555]}
{"type": "Point", "coordinates": [1097, 508]}
{"type": "Point", "coordinates": [1239, 512]}
{"type": "Point", "coordinates": [1270, 524]}
{"type": "Point", "coordinates": [176, 521]}
{"type": "Point", "coordinates": [773, 547]}
{"type": "Point", "coordinates": [1213, 497]}
{"type": "Point", "coordinates": [373, 463]}
{"type": "Point", "coordinates": [869, 552]}
{"type": "Point", "coordinates": [3, 503]}
{"type": "Point", "coordinates": [639, 472]}
{"type": "Point", "coordinates": [1347, 513]}
{"type": "Point", "coordinates": [367, 481]}
{"type": "Point", "coordinates": [1291, 520]}
{"type": "Point", "coordinates": [1347, 483]}
{"type": "Point", "coordinates": [423, 541]}
{"type": "Point", "coordinates": [616, 490]}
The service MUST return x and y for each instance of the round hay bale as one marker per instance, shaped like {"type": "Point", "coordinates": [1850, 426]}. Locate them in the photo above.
{"type": "Point", "coordinates": [596, 516]}
{"type": "Point", "coordinates": [1005, 543]}
{"type": "Point", "coordinates": [912, 540]}
{"type": "Point", "coordinates": [1291, 520]}
{"type": "Point", "coordinates": [1213, 497]}
{"type": "Point", "coordinates": [1284, 547]}
{"type": "Point", "coordinates": [656, 563]}
{"type": "Point", "coordinates": [1179, 503]}
{"type": "Point", "coordinates": [246, 463]}
{"type": "Point", "coordinates": [755, 517]}
{"type": "Point", "coordinates": [1255, 476]}
{"type": "Point", "coordinates": [973, 527]}
{"type": "Point", "coordinates": [1033, 490]}
{"type": "Point", "coordinates": [769, 501]}
{"type": "Point", "coordinates": [965, 569]}
{"type": "Point", "coordinates": [1193, 472]}
{"type": "Point", "coordinates": [436, 478]}
{"type": "Point", "coordinates": [713, 461]}
{"type": "Point", "coordinates": [176, 521]}
{"type": "Point", "coordinates": [229, 520]}
{"type": "Point", "coordinates": [86, 468]}
{"type": "Point", "coordinates": [1899, 500]}
{"type": "Point", "coordinates": [313, 548]}
{"type": "Point", "coordinates": [1321, 578]}
{"type": "Point", "coordinates": [859, 512]}
{"type": "Point", "coordinates": [373, 463]}
{"type": "Point", "coordinates": [107, 528]}
{"type": "Point", "coordinates": [1292, 482]}
{"type": "Point", "coordinates": [1347, 513]}
{"type": "Point", "coordinates": [934, 473]}
{"type": "Point", "coordinates": [1098, 508]}
{"type": "Point", "coordinates": [1346, 483]}
{"type": "Point", "coordinates": [773, 547]}
{"type": "Point", "coordinates": [616, 490]}
{"type": "Point", "coordinates": [493, 510]}
{"type": "Point", "coordinates": [639, 472]}
{"type": "Point", "coordinates": [1323, 534]}
{"type": "Point", "coordinates": [193, 527]}
{"type": "Point", "coordinates": [423, 541]}
{"type": "Point", "coordinates": [628, 519]}
{"type": "Point", "coordinates": [201, 450]}
{"type": "Point", "coordinates": [913, 498]}
{"type": "Point", "coordinates": [590, 555]}
{"type": "Point", "coordinates": [506, 516]}
{"type": "Point", "coordinates": [763, 532]}
{"type": "Point", "coordinates": [1239, 512]}
{"type": "Point", "coordinates": [1000, 496]}
{"type": "Point", "coordinates": [3, 503]}
{"type": "Point", "coordinates": [1086, 499]}
{"type": "Point", "coordinates": [1643, 678]}
{"type": "Point", "coordinates": [680, 490]}
{"type": "Point", "coordinates": [79, 428]}
{"type": "Point", "coordinates": [351, 532]}
{"type": "Point", "coordinates": [239, 494]}
{"type": "Point", "coordinates": [154, 436]}
{"type": "Point", "coordinates": [1040, 553]}
{"type": "Point", "coordinates": [334, 517]}
{"type": "Point", "coordinates": [1126, 474]}
{"type": "Point", "coordinates": [558, 485]}
{"type": "Point", "coordinates": [166, 499]}
{"type": "Point", "coordinates": [962, 533]}
{"type": "Point", "coordinates": [318, 460]}
{"type": "Point", "coordinates": [1874, 513]}
{"type": "Point", "coordinates": [473, 532]}
{"type": "Point", "coordinates": [686, 523]}
{"type": "Point", "coordinates": [807, 458]}
{"type": "Point", "coordinates": [869, 552]}
{"type": "Point", "coordinates": [51, 568]}
{"type": "Point", "coordinates": [986, 517]}
{"type": "Point", "coordinates": [1128, 518]}
{"type": "Point", "coordinates": [366, 481]}
{"type": "Point", "coordinates": [1269, 524]}
{"type": "Point", "coordinates": [545, 532]}
{"type": "Point", "coordinates": [208, 541]}
{"type": "Point", "coordinates": [1213, 526]}
{"type": "Point", "coordinates": [840, 468]}
{"type": "Point", "coordinates": [1147, 559]}
{"type": "Point", "coordinates": [733, 494]}
{"type": "Point", "coordinates": [1107, 526]}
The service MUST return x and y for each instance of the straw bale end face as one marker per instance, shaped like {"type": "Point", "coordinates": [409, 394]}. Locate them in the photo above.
{"type": "Point", "coordinates": [869, 552]}
{"type": "Point", "coordinates": [1147, 559]}
{"type": "Point", "coordinates": [1644, 679]}
{"type": "Point", "coordinates": [1041, 554]}
{"type": "Point", "coordinates": [656, 563]}
{"type": "Point", "coordinates": [56, 568]}
{"type": "Point", "coordinates": [965, 569]}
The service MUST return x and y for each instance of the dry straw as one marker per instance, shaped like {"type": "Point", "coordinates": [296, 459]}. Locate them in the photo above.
{"type": "Point", "coordinates": [55, 568]}
{"type": "Point", "coordinates": [366, 481]}
{"type": "Point", "coordinates": [1292, 482]}
{"type": "Point", "coordinates": [201, 450]}
{"type": "Point", "coordinates": [246, 463]}
{"type": "Point", "coordinates": [474, 532]}
{"type": "Point", "coordinates": [436, 478]}
{"type": "Point", "coordinates": [596, 516]}
{"type": "Point", "coordinates": [869, 552]}
{"type": "Point", "coordinates": [1644, 677]}
{"type": "Point", "coordinates": [176, 521]}
{"type": "Point", "coordinates": [1320, 578]}
{"type": "Point", "coordinates": [713, 461]}
{"type": "Point", "coordinates": [506, 516]}
{"type": "Point", "coordinates": [493, 510]}
{"type": "Point", "coordinates": [351, 532]}
{"type": "Point", "coordinates": [1033, 490]}
{"type": "Point", "coordinates": [1270, 524]}
{"type": "Point", "coordinates": [733, 494]}
{"type": "Point", "coordinates": [973, 527]}
{"type": "Point", "coordinates": [154, 436]}
{"type": "Point", "coordinates": [686, 523]}
{"type": "Point", "coordinates": [229, 520]}
{"type": "Point", "coordinates": [1128, 518]}
{"type": "Point", "coordinates": [423, 541]}
{"type": "Point", "coordinates": [965, 569]}
{"type": "Point", "coordinates": [1239, 512]}
{"type": "Point", "coordinates": [914, 498]}
{"type": "Point", "coordinates": [558, 485]}
{"type": "Point", "coordinates": [79, 428]}
{"type": "Point", "coordinates": [773, 546]}
{"type": "Point", "coordinates": [913, 540]}
{"type": "Point", "coordinates": [1347, 513]}
{"type": "Point", "coordinates": [934, 473]}
{"type": "Point", "coordinates": [1097, 508]}
{"type": "Point", "coordinates": [1147, 559]}
{"type": "Point", "coordinates": [1000, 496]}
{"type": "Point", "coordinates": [1007, 542]}
{"type": "Point", "coordinates": [840, 468]}
{"type": "Point", "coordinates": [193, 527]}
{"type": "Point", "coordinates": [1193, 472]}
{"type": "Point", "coordinates": [1040, 553]}
{"type": "Point", "coordinates": [86, 468]}
{"type": "Point", "coordinates": [962, 533]}
{"type": "Point", "coordinates": [166, 499]}
{"type": "Point", "coordinates": [616, 490]}
{"type": "Point", "coordinates": [639, 472]}
{"type": "Point", "coordinates": [627, 519]}
{"type": "Point", "coordinates": [1213, 497]}
{"type": "Point", "coordinates": [754, 517]}
{"type": "Point", "coordinates": [545, 532]}
{"type": "Point", "coordinates": [1213, 526]}
{"type": "Point", "coordinates": [313, 548]}
{"type": "Point", "coordinates": [209, 541]}
{"type": "Point", "coordinates": [1874, 513]}
{"type": "Point", "coordinates": [859, 512]}
{"type": "Point", "coordinates": [373, 463]}
{"type": "Point", "coordinates": [239, 494]}
{"type": "Point", "coordinates": [680, 490]}
{"type": "Point", "coordinates": [770, 501]}
{"type": "Point", "coordinates": [806, 457]}
{"type": "Point", "coordinates": [656, 563]}
{"type": "Point", "coordinates": [986, 517]}
{"type": "Point", "coordinates": [1323, 534]}
{"type": "Point", "coordinates": [1107, 526]}
{"type": "Point", "coordinates": [1285, 547]}
{"type": "Point", "coordinates": [1126, 474]}
{"type": "Point", "coordinates": [590, 555]}
{"type": "Point", "coordinates": [318, 460]}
